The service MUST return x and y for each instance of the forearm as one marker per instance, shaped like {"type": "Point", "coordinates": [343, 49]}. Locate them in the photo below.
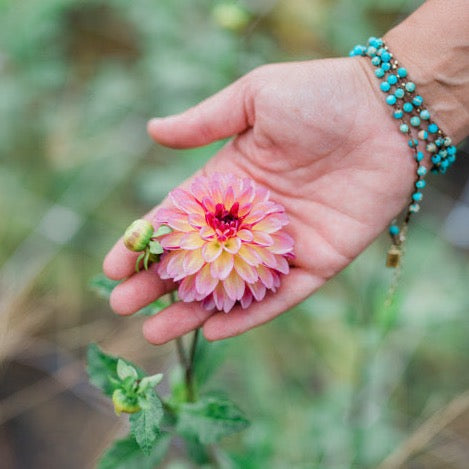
{"type": "Point", "coordinates": [433, 44]}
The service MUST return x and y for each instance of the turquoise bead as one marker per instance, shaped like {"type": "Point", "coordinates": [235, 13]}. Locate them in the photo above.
{"type": "Point", "coordinates": [443, 153]}
{"type": "Point", "coordinates": [413, 143]}
{"type": "Point", "coordinates": [451, 150]}
{"type": "Point", "coordinates": [410, 86]}
{"type": "Point", "coordinates": [452, 159]}
{"type": "Point", "coordinates": [375, 42]}
{"type": "Point", "coordinates": [385, 86]}
{"type": "Point", "coordinates": [439, 142]}
{"type": "Point", "coordinates": [417, 196]}
{"type": "Point", "coordinates": [385, 56]}
{"type": "Point", "coordinates": [408, 107]}
{"type": "Point", "coordinates": [421, 171]}
{"type": "Point", "coordinates": [415, 121]}
{"type": "Point", "coordinates": [436, 159]}
{"type": "Point", "coordinates": [404, 128]}
{"type": "Point", "coordinates": [425, 115]}
{"type": "Point", "coordinates": [444, 164]}
{"type": "Point", "coordinates": [419, 156]}
{"type": "Point", "coordinates": [402, 72]}
{"type": "Point", "coordinates": [394, 230]}
{"type": "Point", "coordinates": [371, 51]}
{"type": "Point", "coordinates": [423, 135]}
{"type": "Point", "coordinates": [417, 101]}
{"type": "Point", "coordinates": [398, 114]}
{"type": "Point", "coordinates": [399, 93]}
{"type": "Point", "coordinates": [414, 208]}
{"type": "Point", "coordinates": [433, 128]}
{"type": "Point", "coordinates": [420, 184]}
{"type": "Point", "coordinates": [391, 99]}
{"type": "Point", "coordinates": [379, 72]}
{"type": "Point", "coordinates": [447, 141]}
{"type": "Point", "coordinates": [376, 61]}
{"type": "Point", "coordinates": [386, 66]}
{"type": "Point", "coordinates": [392, 79]}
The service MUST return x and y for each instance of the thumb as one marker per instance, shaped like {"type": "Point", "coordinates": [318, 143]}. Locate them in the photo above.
{"type": "Point", "coordinates": [222, 115]}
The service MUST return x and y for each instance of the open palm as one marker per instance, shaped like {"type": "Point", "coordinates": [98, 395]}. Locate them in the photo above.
{"type": "Point", "coordinates": [320, 139]}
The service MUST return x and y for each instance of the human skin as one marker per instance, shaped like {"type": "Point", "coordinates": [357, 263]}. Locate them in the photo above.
{"type": "Point", "coordinates": [320, 137]}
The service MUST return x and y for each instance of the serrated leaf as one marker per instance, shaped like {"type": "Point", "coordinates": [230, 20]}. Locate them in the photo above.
{"type": "Point", "coordinates": [150, 382]}
{"type": "Point", "coordinates": [126, 454]}
{"type": "Point", "coordinates": [102, 369]}
{"type": "Point", "coordinates": [124, 370]}
{"type": "Point", "coordinates": [102, 285]}
{"type": "Point", "coordinates": [153, 308]}
{"type": "Point", "coordinates": [145, 425]}
{"type": "Point", "coordinates": [210, 419]}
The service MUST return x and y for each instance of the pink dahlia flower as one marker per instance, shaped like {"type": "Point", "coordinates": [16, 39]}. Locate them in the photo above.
{"type": "Point", "coordinates": [227, 243]}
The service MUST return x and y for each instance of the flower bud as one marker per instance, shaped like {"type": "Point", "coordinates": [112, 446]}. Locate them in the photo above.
{"type": "Point", "coordinates": [137, 235]}
{"type": "Point", "coordinates": [123, 403]}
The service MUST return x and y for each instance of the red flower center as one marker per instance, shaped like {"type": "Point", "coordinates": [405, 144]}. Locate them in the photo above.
{"type": "Point", "coordinates": [225, 222]}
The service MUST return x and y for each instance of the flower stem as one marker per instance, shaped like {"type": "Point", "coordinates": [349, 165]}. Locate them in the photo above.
{"type": "Point", "coordinates": [190, 368]}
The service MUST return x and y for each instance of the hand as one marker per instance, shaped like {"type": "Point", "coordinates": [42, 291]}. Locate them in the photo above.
{"type": "Point", "coordinates": [320, 137]}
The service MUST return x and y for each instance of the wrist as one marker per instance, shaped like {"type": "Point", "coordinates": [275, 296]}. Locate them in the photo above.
{"type": "Point", "coordinates": [440, 69]}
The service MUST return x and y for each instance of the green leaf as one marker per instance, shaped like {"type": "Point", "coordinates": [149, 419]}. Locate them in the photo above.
{"type": "Point", "coordinates": [126, 454]}
{"type": "Point", "coordinates": [162, 230]}
{"type": "Point", "coordinates": [155, 248]}
{"type": "Point", "coordinates": [102, 285]}
{"type": "Point", "coordinates": [210, 419]}
{"type": "Point", "coordinates": [102, 369]}
{"type": "Point", "coordinates": [124, 370]}
{"type": "Point", "coordinates": [153, 308]}
{"type": "Point", "coordinates": [208, 357]}
{"type": "Point", "coordinates": [145, 425]}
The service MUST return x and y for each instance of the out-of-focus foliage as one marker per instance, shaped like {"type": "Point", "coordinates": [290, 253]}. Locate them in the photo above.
{"type": "Point", "coordinates": [335, 382]}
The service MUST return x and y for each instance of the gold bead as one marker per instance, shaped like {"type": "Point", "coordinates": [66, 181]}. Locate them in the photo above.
{"type": "Point", "coordinates": [394, 256]}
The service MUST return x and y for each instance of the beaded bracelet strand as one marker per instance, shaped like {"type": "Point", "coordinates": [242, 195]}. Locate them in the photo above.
{"type": "Point", "coordinates": [415, 122]}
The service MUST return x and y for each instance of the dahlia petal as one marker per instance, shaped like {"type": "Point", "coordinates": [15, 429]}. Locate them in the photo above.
{"type": "Point", "coordinates": [272, 223]}
{"type": "Point", "coordinates": [196, 220]}
{"type": "Point", "coordinates": [207, 232]}
{"type": "Point", "coordinates": [212, 250]}
{"type": "Point", "coordinates": [175, 264]}
{"type": "Point", "coordinates": [234, 286]}
{"type": "Point", "coordinates": [191, 241]}
{"type": "Point", "coordinates": [221, 267]}
{"type": "Point", "coordinates": [199, 188]}
{"type": "Point", "coordinates": [246, 272]}
{"type": "Point", "coordinates": [163, 266]}
{"type": "Point", "coordinates": [244, 209]}
{"type": "Point", "coordinates": [266, 257]}
{"type": "Point", "coordinates": [283, 243]}
{"type": "Point", "coordinates": [219, 296]}
{"type": "Point", "coordinates": [185, 201]}
{"type": "Point", "coordinates": [216, 191]}
{"type": "Point", "coordinates": [229, 198]}
{"type": "Point", "coordinates": [261, 238]}
{"type": "Point", "coordinates": [209, 204]}
{"type": "Point", "coordinates": [245, 235]}
{"type": "Point", "coordinates": [208, 303]}
{"type": "Point", "coordinates": [266, 276]}
{"type": "Point", "coordinates": [260, 211]}
{"type": "Point", "coordinates": [186, 290]}
{"type": "Point", "coordinates": [261, 195]}
{"type": "Point", "coordinates": [172, 240]}
{"type": "Point", "coordinates": [282, 265]}
{"type": "Point", "coordinates": [249, 254]}
{"type": "Point", "coordinates": [258, 290]}
{"type": "Point", "coordinates": [174, 218]}
{"type": "Point", "coordinates": [204, 282]}
{"type": "Point", "coordinates": [193, 261]}
{"type": "Point", "coordinates": [247, 298]}
{"type": "Point", "coordinates": [232, 245]}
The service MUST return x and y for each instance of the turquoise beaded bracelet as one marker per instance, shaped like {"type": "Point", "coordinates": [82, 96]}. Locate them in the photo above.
{"type": "Point", "coordinates": [415, 122]}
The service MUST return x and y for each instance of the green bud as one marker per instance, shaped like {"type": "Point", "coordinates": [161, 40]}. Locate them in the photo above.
{"type": "Point", "coordinates": [123, 403]}
{"type": "Point", "coordinates": [149, 382]}
{"type": "Point", "coordinates": [138, 235]}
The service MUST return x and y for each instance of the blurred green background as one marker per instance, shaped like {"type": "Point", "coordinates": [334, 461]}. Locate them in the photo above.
{"type": "Point", "coordinates": [339, 382]}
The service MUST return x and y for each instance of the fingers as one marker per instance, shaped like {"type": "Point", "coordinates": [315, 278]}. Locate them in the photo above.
{"type": "Point", "coordinates": [222, 115]}
{"type": "Point", "coordinates": [138, 291]}
{"type": "Point", "coordinates": [295, 287]}
{"type": "Point", "coordinates": [174, 321]}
